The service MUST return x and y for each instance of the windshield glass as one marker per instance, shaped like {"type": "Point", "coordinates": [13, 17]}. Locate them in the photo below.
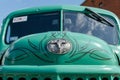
{"type": "Point", "coordinates": [31, 24]}
{"type": "Point", "coordinates": [81, 23]}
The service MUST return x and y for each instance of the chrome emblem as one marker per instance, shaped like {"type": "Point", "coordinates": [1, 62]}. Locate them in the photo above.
{"type": "Point", "coordinates": [58, 46]}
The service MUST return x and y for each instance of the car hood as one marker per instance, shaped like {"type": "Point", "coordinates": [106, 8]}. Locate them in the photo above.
{"type": "Point", "coordinates": [61, 48]}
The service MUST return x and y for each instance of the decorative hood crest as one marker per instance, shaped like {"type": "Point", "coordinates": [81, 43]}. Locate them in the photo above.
{"type": "Point", "coordinates": [59, 46]}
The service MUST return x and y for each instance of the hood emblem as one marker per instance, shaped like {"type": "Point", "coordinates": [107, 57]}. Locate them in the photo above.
{"type": "Point", "coordinates": [59, 46]}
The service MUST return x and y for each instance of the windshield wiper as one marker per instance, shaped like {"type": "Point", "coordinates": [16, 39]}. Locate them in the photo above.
{"type": "Point", "coordinates": [97, 17]}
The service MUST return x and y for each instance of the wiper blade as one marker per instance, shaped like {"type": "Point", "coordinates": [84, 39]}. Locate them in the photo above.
{"type": "Point", "coordinates": [97, 17]}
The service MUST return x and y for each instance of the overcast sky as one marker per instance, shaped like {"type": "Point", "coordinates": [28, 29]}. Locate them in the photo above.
{"type": "Point", "coordinates": [7, 6]}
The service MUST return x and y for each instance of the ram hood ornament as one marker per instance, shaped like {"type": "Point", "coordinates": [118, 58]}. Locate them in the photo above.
{"type": "Point", "coordinates": [59, 46]}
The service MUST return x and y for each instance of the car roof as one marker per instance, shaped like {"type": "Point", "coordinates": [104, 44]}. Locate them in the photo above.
{"type": "Point", "coordinates": [57, 8]}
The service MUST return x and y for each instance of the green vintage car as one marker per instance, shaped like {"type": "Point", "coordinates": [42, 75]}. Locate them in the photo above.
{"type": "Point", "coordinates": [60, 43]}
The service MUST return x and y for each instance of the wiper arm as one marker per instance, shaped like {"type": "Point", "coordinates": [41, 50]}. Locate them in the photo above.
{"type": "Point", "coordinates": [97, 17]}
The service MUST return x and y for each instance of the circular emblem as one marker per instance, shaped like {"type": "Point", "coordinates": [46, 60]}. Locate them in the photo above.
{"type": "Point", "coordinates": [58, 46]}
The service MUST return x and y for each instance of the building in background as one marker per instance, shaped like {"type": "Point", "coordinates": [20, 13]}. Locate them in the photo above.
{"type": "Point", "coordinates": [112, 5]}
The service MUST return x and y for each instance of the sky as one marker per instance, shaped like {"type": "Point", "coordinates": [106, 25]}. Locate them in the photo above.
{"type": "Point", "coordinates": [7, 6]}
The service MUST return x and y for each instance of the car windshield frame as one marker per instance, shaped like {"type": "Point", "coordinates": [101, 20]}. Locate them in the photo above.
{"type": "Point", "coordinates": [48, 19]}
{"type": "Point", "coordinates": [79, 22]}
{"type": "Point", "coordinates": [61, 23]}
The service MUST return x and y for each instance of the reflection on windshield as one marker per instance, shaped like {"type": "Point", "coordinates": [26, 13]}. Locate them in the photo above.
{"type": "Point", "coordinates": [31, 24]}
{"type": "Point", "coordinates": [80, 23]}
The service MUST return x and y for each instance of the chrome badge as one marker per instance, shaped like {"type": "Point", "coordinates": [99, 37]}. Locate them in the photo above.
{"type": "Point", "coordinates": [59, 46]}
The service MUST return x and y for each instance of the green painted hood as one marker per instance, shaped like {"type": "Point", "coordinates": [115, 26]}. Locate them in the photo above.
{"type": "Point", "coordinates": [84, 50]}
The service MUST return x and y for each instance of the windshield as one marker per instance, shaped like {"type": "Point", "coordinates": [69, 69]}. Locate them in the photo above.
{"type": "Point", "coordinates": [81, 23]}
{"type": "Point", "coordinates": [31, 24]}
{"type": "Point", "coordinates": [73, 21]}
